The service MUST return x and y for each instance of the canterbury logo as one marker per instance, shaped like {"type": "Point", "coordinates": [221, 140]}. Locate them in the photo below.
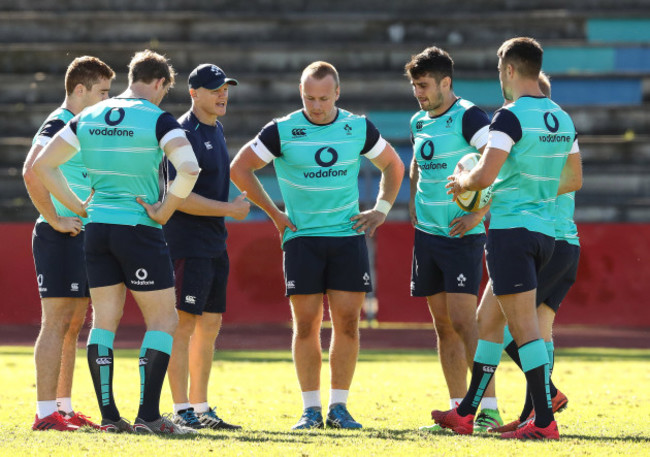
{"type": "Point", "coordinates": [489, 369]}
{"type": "Point", "coordinates": [103, 360]}
{"type": "Point", "coordinates": [143, 361]}
{"type": "Point", "coordinates": [298, 132]}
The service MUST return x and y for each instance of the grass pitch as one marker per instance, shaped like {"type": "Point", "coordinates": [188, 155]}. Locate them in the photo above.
{"type": "Point", "coordinates": [392, 395]}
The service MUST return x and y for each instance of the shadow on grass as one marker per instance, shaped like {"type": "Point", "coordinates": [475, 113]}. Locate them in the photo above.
{"type": "Point", "coordinates": [309, 436]}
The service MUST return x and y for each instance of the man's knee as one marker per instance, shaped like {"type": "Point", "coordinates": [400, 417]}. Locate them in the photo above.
{"type": "Point", "coordinates": [465, 326]}
{"type": "Point", "coordinates": [186, 324]}
{"type": "Point", "coordinates": [56, 321]}
{"type": "Point", "coordinates": [347, 325]}
{"type": "Point", "coordinates": [305, 328]}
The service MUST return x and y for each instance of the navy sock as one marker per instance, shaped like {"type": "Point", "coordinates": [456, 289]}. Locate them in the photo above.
{"type": "Point", "coordinates": [100, 362]}
{"type": "Point", "coordinates": [534, 362]}
{"type": "Point", "coordinates": [154, 359]}
{"type": "Point", "coordinates": [486, 360]}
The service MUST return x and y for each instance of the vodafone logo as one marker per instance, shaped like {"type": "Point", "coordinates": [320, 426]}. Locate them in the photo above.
{"type": "Point", "coordinates": [141, 275]}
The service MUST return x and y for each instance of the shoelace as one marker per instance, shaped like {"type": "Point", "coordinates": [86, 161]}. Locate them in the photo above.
{"type": "Point", "coordinates": [342, 413]}
{"type": "Point", "coordinates": [312, 414]}
{"type": "Point", "coordinates": [83, 417]}
{"type": "Point", "coordinates": [212, 414]}
{"type": "Point", "coordinates": [190, 417]}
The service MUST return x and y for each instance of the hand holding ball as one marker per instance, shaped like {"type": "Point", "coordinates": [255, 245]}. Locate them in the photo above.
{"type": "Point", "coordinates": [471, 200]}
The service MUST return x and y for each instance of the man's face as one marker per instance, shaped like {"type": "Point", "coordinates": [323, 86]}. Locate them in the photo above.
{"type": "Point", "coordinates": [212, 102]}
{"type": "Point", "coordinates": [428, 93]}
{"type": "Point", "coordinates": [319, 97]}
{"type": "Point", "coordinates": [98, 92]}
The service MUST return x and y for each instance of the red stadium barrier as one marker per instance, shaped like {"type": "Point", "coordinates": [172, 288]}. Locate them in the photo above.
{"type": "Point", "coordinates": [610, 291]}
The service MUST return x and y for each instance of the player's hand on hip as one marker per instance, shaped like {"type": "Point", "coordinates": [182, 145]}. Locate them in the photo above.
{"type": "Point", "coordinates": [152, 210]}
{"type": "Point", "coordinates": [463, 224]}
{"type": "Point", "coordinates": [82, 211]}
{"type": "Point", "coordinates": [240, 207]}
{"type": "Point", "coordinates": [71, 225]}
{"type": "Point", "coordinates": [283, 222]}
{"type": "Point", "coordinates": [368, 221]}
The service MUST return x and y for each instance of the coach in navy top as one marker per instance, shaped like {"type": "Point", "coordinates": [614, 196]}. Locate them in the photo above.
{"type": "Point", "coordinates": [196, 235]}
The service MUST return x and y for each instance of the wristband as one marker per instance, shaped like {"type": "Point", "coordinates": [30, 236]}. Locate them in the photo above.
{"type": "Point", "coordinates": [382, 206]}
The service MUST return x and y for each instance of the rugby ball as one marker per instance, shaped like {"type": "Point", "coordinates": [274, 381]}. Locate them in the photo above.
{"type": "Point", "coordinates": [472, 200]}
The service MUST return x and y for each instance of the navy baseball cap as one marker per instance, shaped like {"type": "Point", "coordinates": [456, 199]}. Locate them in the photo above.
{"type": "Point", "coordinates": [209, 76]}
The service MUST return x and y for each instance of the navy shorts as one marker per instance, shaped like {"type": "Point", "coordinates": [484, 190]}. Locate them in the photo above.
{"type": "Point", "coordinates": [136, 256]}
{"type": "Point", "coordinates": [558, 275]}
{"type": "Point", "coordinates": [60, 263]}
{"type": "Point", "coordinates": [515, 257]}
{"type": "Point", "coordinates": [201, 284]}
{"type": "Point", "coordinates": [315, 264]}
{"type": "Point", "coordinates": [443, 264]}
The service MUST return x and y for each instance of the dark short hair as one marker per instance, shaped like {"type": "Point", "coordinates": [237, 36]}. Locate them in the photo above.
{"type": "Point", "coordinates": [86, 70]}
{"type": "Point", "coordinates": [147, 65]}
{"type": "Point", "coordinates": [432, 61]}
{"type": "Point", "coordinates": [524, 54]}
{"type": "Point", "coordinates": [320, 70]}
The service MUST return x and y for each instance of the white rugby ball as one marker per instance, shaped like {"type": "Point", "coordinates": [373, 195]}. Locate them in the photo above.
{"type": "Point", "coordinates": [472, 200]}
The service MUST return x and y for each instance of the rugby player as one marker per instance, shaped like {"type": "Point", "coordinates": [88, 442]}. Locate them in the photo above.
{"type": "Point", "coordinates": [532, 156]}
{"type": "Point", "coordinates": [317, 153]}
{"type": "Point", "coordinates": [123, 141]}
{"type": "Point", "coordinates": [449, 242]}
{"type": "Point", "coordinates": [58, 234]}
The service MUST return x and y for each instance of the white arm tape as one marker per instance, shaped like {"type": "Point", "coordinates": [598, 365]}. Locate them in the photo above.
{"type": "Point", "coordinates": [377, 149]}
{"type": "Point", "coordinates": [575, 148]}
{"type": "Point", "coordinates": [499, 140]}
{"type": "Point", "coordinates": [382, 206]}
{"type": "Point", "coordinates": [480, 138]}
{"type": "Point", "coordinates": [183, 158]}
{"type": "Point", "coordinates": [69, 136]}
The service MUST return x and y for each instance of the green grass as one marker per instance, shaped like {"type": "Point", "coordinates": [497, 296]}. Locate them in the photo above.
{"type": "Point", "coordinates": [392, 395]}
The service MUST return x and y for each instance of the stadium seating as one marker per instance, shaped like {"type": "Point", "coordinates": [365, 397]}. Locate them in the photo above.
{"type": "Point", "coordinates": [597, 54]}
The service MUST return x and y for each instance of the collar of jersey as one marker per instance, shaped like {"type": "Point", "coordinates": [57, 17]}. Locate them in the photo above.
{"type": "Point", "coordinates": [321, 125]}
{"type": "Point", "coordinates": [446, 111]}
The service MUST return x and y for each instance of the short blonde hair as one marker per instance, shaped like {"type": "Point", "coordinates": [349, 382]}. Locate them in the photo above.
{"type": "Point", "coordinates": [320, 70]}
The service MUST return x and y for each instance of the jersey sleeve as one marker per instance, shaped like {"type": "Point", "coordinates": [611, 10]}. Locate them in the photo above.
{"type": "Point", "coordinates": [505, 121]}
{"type": "Point", "coordinates": [168, 128]}
{"type": "Point", "coordinates": [505, 130]}
{"type": "Point", "coordinates": [267, 143]}
{"type": "Point", "coordinates": [69, 133]}
{"type": "Point", "coordinates": [375, 143]}
{"type": "Point", "coordinates": [47, 132]}
{"type": "Point", "coordinates": [476, 127]}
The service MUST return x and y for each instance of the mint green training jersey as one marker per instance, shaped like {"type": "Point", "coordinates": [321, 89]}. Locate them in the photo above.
{"type": "Point", "coordinates": [317, 168]}
{"type": "Point", "coordinates": [73, 170]}
{"type": "Point", "coordinates": [525, 190]}
{"type": "Point", "coordinates": [120, 139]}
{"type": "Point", "coordinates": [438, 144]}
{"type": "Point", "coordinates": [565, 227]}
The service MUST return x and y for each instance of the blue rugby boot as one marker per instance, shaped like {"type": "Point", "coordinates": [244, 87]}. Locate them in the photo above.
{"type": "Point", "coordinates": [339, 417]}
{"type": "Point", "coordinates": [311, 418]}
